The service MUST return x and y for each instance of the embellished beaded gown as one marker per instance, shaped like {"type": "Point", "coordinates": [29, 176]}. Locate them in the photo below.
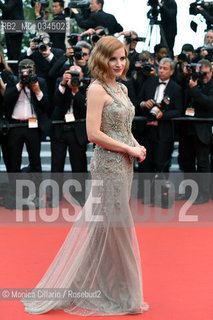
{"type": "Point", "coordinates": [99, 261]}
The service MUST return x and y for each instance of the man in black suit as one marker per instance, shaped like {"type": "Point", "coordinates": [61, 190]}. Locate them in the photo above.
{"type": "Point", "coordinates": [97, 18]}
{"type": "Point", "coordinates": [207, 15]}
{"type": "Point", "coordinates": [160, 101]}
{"type": "Point", "coordinates": [28, 106]}
{"type": "Point", "coordinates": [198, 135]}
{"type": "Point", "coordinates": [13, 10]}
{"type": "Point", "coordinates": [168, 12]}
{"type": "Point", "coordinates": [158, 136]}
{"type": "Point", "coordinates": [57, 39]}
{"type": "Point", "coordinates": [70, 107]}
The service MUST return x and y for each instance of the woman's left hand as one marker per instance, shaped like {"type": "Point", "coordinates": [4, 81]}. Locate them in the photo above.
{"type": "Point", "coordinates": [142, 156]}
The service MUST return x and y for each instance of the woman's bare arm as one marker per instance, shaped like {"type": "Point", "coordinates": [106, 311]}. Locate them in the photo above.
{"type": "Point", "coordinates": [97, 99]}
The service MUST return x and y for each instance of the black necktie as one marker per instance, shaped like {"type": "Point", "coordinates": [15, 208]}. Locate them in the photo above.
{"type": "Point", "coordinates": [160, 82]}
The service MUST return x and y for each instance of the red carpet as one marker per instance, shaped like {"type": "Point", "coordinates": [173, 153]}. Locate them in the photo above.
{"type": "Point", "coordinates": [177, 262]}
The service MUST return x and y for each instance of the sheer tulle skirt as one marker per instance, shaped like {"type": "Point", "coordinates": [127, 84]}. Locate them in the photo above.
{"type": "Point", "coordinates": [99, 261]}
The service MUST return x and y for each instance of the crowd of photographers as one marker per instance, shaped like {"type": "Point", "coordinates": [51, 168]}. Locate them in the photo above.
{"type": "Point", "coordinates": [47, 97]}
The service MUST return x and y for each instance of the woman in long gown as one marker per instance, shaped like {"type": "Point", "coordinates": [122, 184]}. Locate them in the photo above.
{"type": "Point", "coordinates": [97, 270]}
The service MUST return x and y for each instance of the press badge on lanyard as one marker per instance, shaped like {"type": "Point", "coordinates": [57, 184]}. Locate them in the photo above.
{"type": "Point", "coordinates": [32, 123]}
{"type": "Point", "coordinates": [69, 117]}
{"type": "Point", "coordinates": [190, 112]}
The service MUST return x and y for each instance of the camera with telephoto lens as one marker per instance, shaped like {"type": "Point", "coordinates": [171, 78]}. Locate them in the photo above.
{"type": "Point", "coordinates": [147, 68]}
{"type": "Point", "coordinates": [27, 77]}
{"type": "Point", "coordinates": [73, 38]}
{"type": "Point", "coordinates": [158, 107]}
{"type": "Point", "coordinates": [96, 36]}
{"type": "Point", "coordinates": [152, 3]}
{"type": "Point", "coordinates": [193, 73]}
{"type": "Point", "coordinates": [42, 42]}
{"type": "Point", "coordinates": [154, 111]}
{"type": "Point", "coordinates": [75, 78]}
{"type": "Point", "coordinates": [76, 81]}
{"type": "Point", "coordinates": [79, 4]}
{"type": "Point", "coordinates": [44, 3]}
{"type": "Point", "coordinates": [153, 13]}
{"type": "Point", "coordinates": [208, 6]}
{"type": "Point", "coordinates": [78, 53]}
{"type": "Point", "coordinates": [129, 39]}
{"type": "Point", "coordinates": [84, 6]}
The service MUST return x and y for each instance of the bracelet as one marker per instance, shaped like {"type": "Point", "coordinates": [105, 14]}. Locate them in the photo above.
{"type": "Point", "coordinates": [142, 103]}
{"type": "Point", "coordinates": [63, 85]}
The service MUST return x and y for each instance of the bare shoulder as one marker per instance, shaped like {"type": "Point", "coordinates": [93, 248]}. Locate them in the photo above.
{"type": "Point", "coordinates": [97, 95]}
{"type": "Point", "coordinates": [95, 89]}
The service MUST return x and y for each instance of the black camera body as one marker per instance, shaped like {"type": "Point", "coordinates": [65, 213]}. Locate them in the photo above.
{"type": "Point", "coordinates": [129, 39]}
{"type": "Point", "coordinates": [79, 4]}
{"type": "Point", "coordinates": [153, 3]}
{"type": "Point", "coordinates": [44, 3]}
{"type": "Point", "coordinates": [42, 42]}
{"type": "Point", "coordinates": [84, 6]}
{"type": "Point", "coordinates": [27, 78]}
{"type": "Point", "coordinates": [210, 52]}
{"type": "Point", "coordinates": [73, 38]}
{"type": "Point", "coordinates": [153, 13]}
{"type": "Point", "coordinates": [183, 57]}
{"type": "Point", "coordinates": [75, 78]}
{"type": "Point", "coordinates": [76, 81]}
{"type": "Point", "coordinates": [193, 73]}
{"type": "Point", "coordinates": [147, 68]}
{"type": "Point", "coordinates": [78, 53]}
{"type": "Point", "coordinates": [208, 6]}
{"type": "Point", "coordinates": [154, 111]}
{"type": "Point", "coordinates": [42, 47]}
{"type": "Point", "coordinates": [159, 106]}
{"type": "Point", "coordinates": [96, 36]}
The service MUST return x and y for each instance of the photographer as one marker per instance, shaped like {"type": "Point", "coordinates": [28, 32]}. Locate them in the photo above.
{"type": "Point", "coordinates": [168, 12]}
{"type": "Point", "coordinates": [207, 15]}
{"type": "Point", "coordinates": [6, 76]}
{"type": "Point", "coordinates": [206, 52]}
{"type": "Point", "coordinates": [160, 52]}
{"type": "Point", "coordinates": [75, 55]}
{"type": "Point", "coordinates": [57, 39]}
{"type": "Point", "coordinates": [62, 64]}
{"type": "Point", "coordinates": [143, 69]}
{"type": "Point", "coordinates": [97, 17]}
{"type": "Point", "coordinates": [27, 104]}
{"type": "Point", "coordinates": [185, 57]}
{"type": "Point", "coordinates": [13, 10]}
{"type": "Point", "coordinates": [198, 135]}
{"type": "Point", "coordinates": [70, 105]}
{"type": "Point", "coordinates": [81, 59]}
{"type": "Point", "coordinates": [160, 100]}
{"type": "Point", "coordinates": [208, 41]}
{"type": "Point", "coordinates": [131, 43]}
